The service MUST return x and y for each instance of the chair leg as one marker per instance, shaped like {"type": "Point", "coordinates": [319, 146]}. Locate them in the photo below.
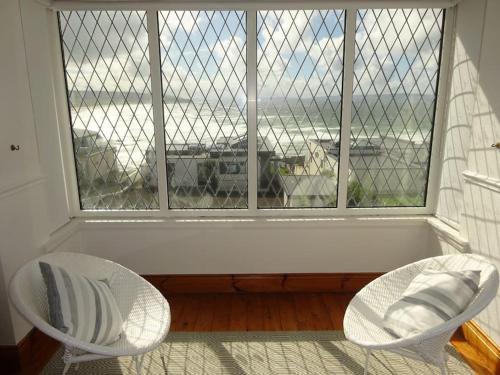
{"type": "Point", "coordinates": [443, 364]}
{"type": "Point", "coordinates": [138, 364]}
{"type": "Point", "coordinates": [442, 367]}
{"type": "Point", "coordinates": [66, 368]}
{"type": "Point", "coordinates": [367, 361]}
{"type": "Point", "coordinates": [67, 359]}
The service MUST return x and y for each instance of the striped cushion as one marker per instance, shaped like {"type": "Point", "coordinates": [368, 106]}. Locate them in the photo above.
{"type": "Point", "coordinates": [432, 298]}
{"type": "Point", "coordinates": [81, 307]}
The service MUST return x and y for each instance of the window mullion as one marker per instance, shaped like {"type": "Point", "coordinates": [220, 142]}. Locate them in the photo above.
{"type": "Point", "coordinates": [157, 102]}
{"type": "Point", "coordinates": [347, 89]}
{"type": "Point", "coordinates": [252, 110]}
{"type": "Point", "coordinates": [443, 92]}
{"type": "Point", "coordinates": [63, 113]}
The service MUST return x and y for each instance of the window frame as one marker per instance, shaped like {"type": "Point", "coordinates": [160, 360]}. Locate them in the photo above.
{"type": "Point", "coordinates": [164, 211]}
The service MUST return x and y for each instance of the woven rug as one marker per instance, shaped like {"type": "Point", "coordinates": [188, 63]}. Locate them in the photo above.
{"type": "Point", "coordinates": [323, 352]}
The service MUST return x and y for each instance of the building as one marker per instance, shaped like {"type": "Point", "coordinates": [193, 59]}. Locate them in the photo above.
{"type": "Point", "coordinates": [309, 191]}
{"type": "Point", "coordinates": [222, 165]}
{"type": "Point", "coordinates": [387, 166]}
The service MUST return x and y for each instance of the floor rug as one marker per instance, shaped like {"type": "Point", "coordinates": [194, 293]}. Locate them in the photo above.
{"type": "Point", "coordinates": [303, 352]}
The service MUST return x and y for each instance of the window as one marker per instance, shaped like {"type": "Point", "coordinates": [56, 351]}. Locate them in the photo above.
{"type": "Point", "coordinates": [203, 64]}
{"type": "Point", "coordinates": [299, 89]}
{"type": "Point", "coordinates": [109, 96]}
{"type": "Point", "coordinates": [249, 108]}
{"type": "Point", "coordinates": [230, 168]}
{"type": "Point", "coordinates": [396, 68]}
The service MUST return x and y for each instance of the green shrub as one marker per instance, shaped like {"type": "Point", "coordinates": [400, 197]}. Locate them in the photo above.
{"type": "Point", "coordinates": [356, 194]}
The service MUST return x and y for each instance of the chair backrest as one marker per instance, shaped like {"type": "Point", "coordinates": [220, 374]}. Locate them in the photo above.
{"type": "Point", "coordinates": [488, 284]}
{"type": "Point", "coordinates": [364, 316]}
{"type": "Point", "coordinates": [28, 292]}
{"type": "Point", "coordinates": [388, 288]}
{"type": "Point", "coordinates": [137, 300]}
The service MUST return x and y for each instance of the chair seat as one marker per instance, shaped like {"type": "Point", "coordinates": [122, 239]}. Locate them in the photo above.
{"type": "Point", "coordinates": [145, 312]}
{"type": "Point", "coordinates": [363, 320]}
{"type": "Point", "coordinates": [364, 327]}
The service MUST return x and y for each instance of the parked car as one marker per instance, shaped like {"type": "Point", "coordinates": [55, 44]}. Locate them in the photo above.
{"type": "Point", "coordinates": [96, 157]}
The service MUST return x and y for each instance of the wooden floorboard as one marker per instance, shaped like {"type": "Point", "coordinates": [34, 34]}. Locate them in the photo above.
{"type": "Point", "coordinates": [258, 311]}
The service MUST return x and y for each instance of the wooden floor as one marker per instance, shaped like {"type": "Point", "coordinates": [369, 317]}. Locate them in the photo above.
{"type": "Point", "coordinates": [279, 312]}
{"type": "Point", "coordinates": [258, 311]}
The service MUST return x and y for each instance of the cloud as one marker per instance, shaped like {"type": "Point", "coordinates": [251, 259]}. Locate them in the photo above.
{"type": "Point", "coordinates": [300, 53]}
{"type": "Point", "coordinates": [212, 61]}
{"type": "Point", "coordinates": [106, 50]}
{"type": "Point", "coordinates": [395, 50]}
{"type": "Point", "coordinates": [181, 22]}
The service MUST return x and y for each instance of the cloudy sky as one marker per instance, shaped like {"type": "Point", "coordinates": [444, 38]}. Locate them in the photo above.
{"type": "Point", "coordinates": [397, 51]}
{"type": "Point", "coordinates": [300, 53]}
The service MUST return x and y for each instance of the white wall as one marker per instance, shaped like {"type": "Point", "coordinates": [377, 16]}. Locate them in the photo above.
{"type": "Point", "coordinates": [20, 177]}
{"type": "Point", "coordinates": [39, 58]}
{"type": "Point", "coordinates": [470, 186]}
{"type": "Point", "coordinates": [460, 108]}
{"type": "Point", "coordinates": [262, 246]}
{"type": "Point", "coordinates": [25, 220]}
{"type": "Point", "coordinates": [16, 167]}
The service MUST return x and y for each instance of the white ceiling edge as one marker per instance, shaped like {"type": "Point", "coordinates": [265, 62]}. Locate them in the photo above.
{"type": "Point", "coordinates": [244, 4]}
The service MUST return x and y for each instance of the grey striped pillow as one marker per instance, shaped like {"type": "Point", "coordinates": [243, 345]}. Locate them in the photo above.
{"type": "Point", "coordinates": [432, 298]}
{"type": "Point", "coordinates": [81, 307]}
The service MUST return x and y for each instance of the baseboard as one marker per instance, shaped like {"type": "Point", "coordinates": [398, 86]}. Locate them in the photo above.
{"type": "Point", "coordinates": [262, 283]}
{"type": "Point", "coordinates": [9, 358]}
{"type": "Point", "coordinates": [30, 355]}
{"type": "Point", "coordinates": [477, 348]}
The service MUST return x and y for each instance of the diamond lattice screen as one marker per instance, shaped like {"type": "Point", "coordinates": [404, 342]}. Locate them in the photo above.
{"type": "Point", "coordinates": [396, 70]}
{"type": "Point", "coordinates": [203, 64]}
{"type": "Point", "coordinates": [299, 89]}
{"type": "Point", "coordinates": [108, 86]}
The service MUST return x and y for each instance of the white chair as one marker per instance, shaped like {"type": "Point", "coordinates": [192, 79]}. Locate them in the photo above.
{"type": "Point", "coordinates": [145, 312]}
{"type": "Point", "coordinates": [363, 320]}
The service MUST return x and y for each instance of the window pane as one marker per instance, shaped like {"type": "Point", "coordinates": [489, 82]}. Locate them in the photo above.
{"type": "Point", "coordinates": [395, 83]}
{"type": "Point", "coordinates": [108, 86]}
{"type": "Point", "coordinates": [299, 83]}
{"type": "Point", "coordinates": [203, 62]}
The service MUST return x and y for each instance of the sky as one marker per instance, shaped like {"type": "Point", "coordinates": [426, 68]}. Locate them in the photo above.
{"type": "Point", "coordinates": [300, 53]}
{"type": "Point", "coordinates": [397, 51]}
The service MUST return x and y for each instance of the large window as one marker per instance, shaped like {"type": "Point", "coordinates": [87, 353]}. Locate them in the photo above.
{"type": "Point", "coordinates": [299, 86]}
{"type": "Point", "coordinates": [203, 64]}
{"type": "Point", "coordinates": [244, 110]}
{"type": "Point", "coordinates": [109, 95]}
{"type": "Point", "coordinates": [396, 67]}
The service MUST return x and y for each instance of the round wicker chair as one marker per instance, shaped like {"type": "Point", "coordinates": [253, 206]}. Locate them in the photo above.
{"type": "Point", "coordinates": [145, 312]}
{"type": "Point", "coordinates": [363, 320]}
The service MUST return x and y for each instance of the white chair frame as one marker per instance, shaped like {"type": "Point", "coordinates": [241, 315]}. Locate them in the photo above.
{"type": "Point", "coordinates": [145, 312]}
{"type": "Point", "coordinates": [363, 321]}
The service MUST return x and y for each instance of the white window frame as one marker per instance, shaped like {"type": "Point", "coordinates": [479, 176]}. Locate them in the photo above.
{"type": "Point", "coordinates": [251, 8]}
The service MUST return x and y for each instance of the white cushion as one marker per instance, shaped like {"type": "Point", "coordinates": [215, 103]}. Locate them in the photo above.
{"type": "Point", "coordinates": [432, 298]}
{"type": "Point", "coordinates": [81, 307]}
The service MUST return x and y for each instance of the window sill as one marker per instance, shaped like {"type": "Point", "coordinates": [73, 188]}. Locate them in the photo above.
{"type": "Point", "coordinates": [252, 222]}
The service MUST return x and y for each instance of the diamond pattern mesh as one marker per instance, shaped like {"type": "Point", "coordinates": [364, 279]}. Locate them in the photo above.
{"type": "Point", "coordinates": [108, 86]}
{"type": "Point", "coordinates": [203, 63]}
{"type": "Point", "coordinates": [299, 82]}
{"type": "Point", "coordinates": [395, 84]}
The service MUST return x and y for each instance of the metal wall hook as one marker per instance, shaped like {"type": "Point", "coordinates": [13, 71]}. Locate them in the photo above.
{"type": "Point", "coordinates": [496, 145]}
